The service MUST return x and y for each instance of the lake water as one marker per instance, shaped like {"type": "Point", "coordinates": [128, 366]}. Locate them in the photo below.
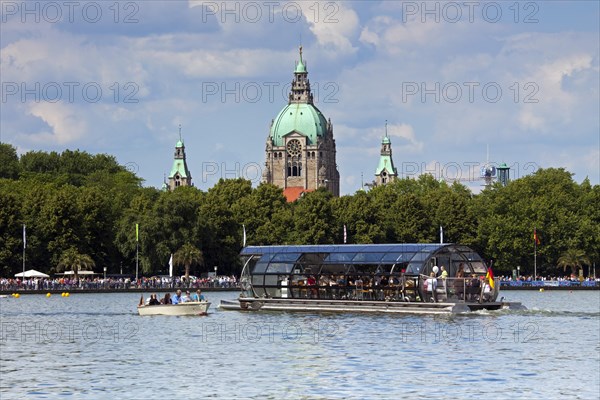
{"type": "Point", "coordinates": [96, 346]}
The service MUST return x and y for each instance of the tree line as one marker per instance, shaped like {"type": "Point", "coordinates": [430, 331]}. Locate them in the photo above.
{"type": "Point", "coordinates": [77, 203]}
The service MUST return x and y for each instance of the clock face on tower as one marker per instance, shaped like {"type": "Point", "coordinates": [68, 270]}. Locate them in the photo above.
{"type": "Point", "coordinates": [294, 147]}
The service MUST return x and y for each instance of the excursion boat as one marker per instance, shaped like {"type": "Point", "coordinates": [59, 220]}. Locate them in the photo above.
{"type": "Point", "coordinates": [189, 308]}
{"type": "Point", "coordinates": [391, 278]}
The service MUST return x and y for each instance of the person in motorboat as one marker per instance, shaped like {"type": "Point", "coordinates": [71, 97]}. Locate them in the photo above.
{"type": "Point", "coordinates": [177, 298]}
{"type": "Point", "coordinates": [198, 296]}
{"type": "Point", "coordinates": [153, 300]}
{"type": "Point", "coordinates": [187, 298]}
{"type": "Point", "coordinates": [166, 299]}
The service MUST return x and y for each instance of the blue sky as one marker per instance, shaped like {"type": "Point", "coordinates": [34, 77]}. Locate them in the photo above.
{"type": "Point", "coordinates": [451, 79]}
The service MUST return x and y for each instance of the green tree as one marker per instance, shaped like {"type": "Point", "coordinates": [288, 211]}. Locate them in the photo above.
{"type": "Point", "coordinates": [313, 219]}
{"type": "Point", "coordinates": [72, 260]}
{"type": "Point", "coordinates": [9, 162]}
{"type": "Point", "coordinates": [574, 259]}
{"type": "Point", "coordinates": [11, 239]}
{"type": "Point", "coordinates": [188, 255]}
{"type": "Point", "coordinates": [266, 215]}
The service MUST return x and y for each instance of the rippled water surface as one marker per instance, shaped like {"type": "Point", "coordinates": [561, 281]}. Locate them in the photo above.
{"type": "Point", "coordinates": [96, 346]}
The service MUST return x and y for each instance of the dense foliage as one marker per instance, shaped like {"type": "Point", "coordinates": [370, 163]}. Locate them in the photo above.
{"type": "Point", "coordinates": [89, 204]}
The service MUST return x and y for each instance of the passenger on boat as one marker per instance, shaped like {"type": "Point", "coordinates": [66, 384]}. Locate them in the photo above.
{"type": "Point", "coordinates": [444, 273]}
{"type": "Point", "coordinates": [198, 296]}
{"type": "Point", "coordinates": [431, 286]}
{"type": "Point", "coordinates": [473, 287]}
{"type": "Point", "coordinates": [153, 300]}
{"type": "Point", "coordinates": [166, 299]}
{"type": "Point", "coordinates": [459, 282]}
{"type": "Point", "coordinates": [177, 298]}
{"type": "Point", "coordinates": [187, 298]}
{"type": "Point", "coordinates": [487, 291]}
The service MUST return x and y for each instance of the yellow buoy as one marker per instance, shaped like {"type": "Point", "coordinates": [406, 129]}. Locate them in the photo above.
{"type": "Point", "coordinates": [17, 295]}
{"type": "Point", "coordinates": [67, 294]}
{"type": "Point", "coordinates": [542, 289]}
{"type": "Point", "coordinates": [62, 294]}
{"type": "Point", "coordinates": [48, 294]}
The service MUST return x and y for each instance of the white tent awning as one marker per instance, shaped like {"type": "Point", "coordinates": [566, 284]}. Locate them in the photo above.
{"type": "Point", "coordinates": [32, 273]}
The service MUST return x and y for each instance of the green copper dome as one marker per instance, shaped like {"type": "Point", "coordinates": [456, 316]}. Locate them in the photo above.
{"type": "Point", "coordinates": [300, 67]}
{"type": "Point", "coordinates": [301, 117]}
{"type": "Point", "coordinates": [179, 143]}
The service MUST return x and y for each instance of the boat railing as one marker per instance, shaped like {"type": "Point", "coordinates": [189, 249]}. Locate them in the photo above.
{"type": "Point", "coordinates": [469, 289]}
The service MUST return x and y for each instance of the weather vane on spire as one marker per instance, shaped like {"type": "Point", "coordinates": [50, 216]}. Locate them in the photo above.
{"type": "Point", "coordinates": [179, 132]}
{"type": "Point", "coordinates": [386, 135]}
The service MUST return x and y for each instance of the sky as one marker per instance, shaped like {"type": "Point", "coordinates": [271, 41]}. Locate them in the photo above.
{"type": "Point", "coordinates": [459, 83]}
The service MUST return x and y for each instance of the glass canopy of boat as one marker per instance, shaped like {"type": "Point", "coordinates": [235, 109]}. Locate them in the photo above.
{"type": "Point", "coordinates": [275, 271]}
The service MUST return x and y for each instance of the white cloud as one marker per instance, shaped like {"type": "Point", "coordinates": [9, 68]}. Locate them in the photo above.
{"type": "Point", "coordinates": [333, 24]}
{"type": "Point", "coordinates": [66, 125]}
{"type": "Point", "coordinates": [408, 142]}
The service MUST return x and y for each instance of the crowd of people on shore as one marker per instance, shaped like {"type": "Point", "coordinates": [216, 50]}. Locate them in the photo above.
{"type": "Point", "coordinates": [566, 280]}
{"type": "Point", "coordinates": [123, 283]}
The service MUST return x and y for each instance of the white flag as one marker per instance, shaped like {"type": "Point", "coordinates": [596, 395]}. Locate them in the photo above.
{"type": "Point", "coordinates": [441, 235]}
{"type": "Point", "coordinates": [345, 235]}
{"type": "Point", "coordinates": [171, 266]}
{"type": "Point", "coordinates": [24, 237]}
{"type": "Point", "coordinates": [244, 238]}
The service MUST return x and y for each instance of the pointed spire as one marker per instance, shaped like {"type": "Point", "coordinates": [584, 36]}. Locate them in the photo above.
{"type": "Point", "coordinates": [300, 92]}
{"type": "Point", "coordinates": [180, 132]}
{"type": "Point", "coordinates": [385, 139]}
{"type": "Point", "coordinates": [300, 66]}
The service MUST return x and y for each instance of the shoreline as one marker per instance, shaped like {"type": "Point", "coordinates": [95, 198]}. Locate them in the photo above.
{"type": "Point", "coordinates": [165, 290]}
{"type": "Point", "coordinates": [131, 290]}
{"type": "Point", "coordinates": [503, 288]}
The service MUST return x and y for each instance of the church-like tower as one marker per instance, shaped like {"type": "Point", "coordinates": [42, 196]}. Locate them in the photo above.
{"type": "Point", "coordinates": [180, 174]}
{"type": "Point", "coordinates": [386, 172]}
{"type": "Point", "coordinates": [300, 151]}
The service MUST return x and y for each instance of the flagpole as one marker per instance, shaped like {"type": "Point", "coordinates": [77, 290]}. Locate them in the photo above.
{"type": "Point", "coordinates": [24, 246]}
{"type": "Point", "coordinates": [535, 239]}
{"type": "Point", "coordinates": [137, 251]}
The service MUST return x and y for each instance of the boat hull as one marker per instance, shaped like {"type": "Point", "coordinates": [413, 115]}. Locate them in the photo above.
{"type": "Point", "coordinates": [253, 304]}
{"type": "Point", "coordinates": [190, 308]}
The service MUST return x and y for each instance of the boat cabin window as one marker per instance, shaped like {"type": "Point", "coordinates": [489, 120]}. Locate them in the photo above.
{"type": "Point", "coordinates": [280, 268]}
{"type": "Point", "coordinates": [340, 257]}
{"type": "Point", "coordinates": [395, 257]}
{"type": "Point", "coordinates": [260, 267]}
{"type": "Point", "coordinates": [479, 267]}
{"type": "Point", "coordinates": [285, 257]}
{"type": "Point", "coordinates": [368, 257]}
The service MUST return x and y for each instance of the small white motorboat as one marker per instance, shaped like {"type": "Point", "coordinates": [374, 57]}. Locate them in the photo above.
{"type": "Point", "coordinates": [189, 308]}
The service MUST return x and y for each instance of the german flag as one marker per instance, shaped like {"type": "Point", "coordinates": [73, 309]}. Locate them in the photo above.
{"type": "Point", "coordinates": [536, 238]}
{"type": "Point", "coordinates": [490, 277]}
